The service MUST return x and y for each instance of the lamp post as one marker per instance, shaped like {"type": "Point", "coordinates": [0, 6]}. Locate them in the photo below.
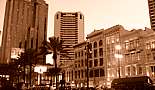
{"type": "Point", "coordinates": [118, 56]}
{"type": "Point", "coordinates": [88, 51]}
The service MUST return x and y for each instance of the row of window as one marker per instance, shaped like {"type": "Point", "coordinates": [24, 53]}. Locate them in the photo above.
{"type": "Point", "coordinates": [132, 44]}
{"type": "Point", "coordinates": [96, 62]}
{"type": "Point", "coordinates": [81, 53]}
{"type": "Point", "coordinates": [92, 73]}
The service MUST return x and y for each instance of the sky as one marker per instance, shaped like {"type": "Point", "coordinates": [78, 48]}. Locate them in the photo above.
{"type": "Point", "coordinates": [98, 14]}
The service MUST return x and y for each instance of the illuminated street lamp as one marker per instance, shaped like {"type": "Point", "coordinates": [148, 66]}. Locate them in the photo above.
{"type": "Point", "coordinates": [40, 70]}
{"type": "Point", "coordinates": [118, 56]}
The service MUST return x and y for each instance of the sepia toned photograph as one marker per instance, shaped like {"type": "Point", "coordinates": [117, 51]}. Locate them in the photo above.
{"type": "Point", "coordinates": [77, 44]}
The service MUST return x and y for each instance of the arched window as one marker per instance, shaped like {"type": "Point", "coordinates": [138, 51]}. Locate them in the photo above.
{"type": "Point", "coordinates": [100, 43]}
{"type": "Point", "coordinates": [95, 44]}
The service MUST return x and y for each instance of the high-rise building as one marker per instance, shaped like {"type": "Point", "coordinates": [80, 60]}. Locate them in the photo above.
{"type": "Point", "coordinates": [69, 27]}
{"type": "Point", "coordinates": [151, 5]}
{"type": "Point", "coordinates": [25, 26]}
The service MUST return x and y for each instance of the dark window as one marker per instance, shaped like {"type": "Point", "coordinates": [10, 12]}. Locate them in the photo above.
{"type": "Point", "coordinates": [79, 73]}
{"type": "Point", "coordinates": [75, 55]}
{"type": "Point", "coordinates": [91, 73]}
{"type": "Point", "coordinates": [101, 61]}
{"type": "Point", "coordinates": [102, 73]}
{"type": "Point", "coordinates": [82, 73]}
{"type": "Point", "coordinates": [101, 52]}
{"type": "Point", "coordinates": [75, 74]}
{"type": "Point", "coordinates": [80, 16]}
{"type": "Point", "coordinates": [95, 44]}
{"type": "Point", "coordinates": [90, 63]}
{"type": "Point", "coordinates": [79, 54]}
{"type": "Point", "coordinates": [96, 72]}
{"type": "Point", "coordinates": [100, 43]}
{"type": "Point", "coordinates": [82, 62]}
{"type": "Point", "coordinates": [95, 53]}
{"type": "Point", "coordinates": [95, 62]}
{"type": "Point", "coordinates": [82, 53]}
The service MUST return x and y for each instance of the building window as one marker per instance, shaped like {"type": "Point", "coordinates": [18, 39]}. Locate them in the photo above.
{"type": "Point", "coordinates": [75, 74]}
{"type": "Point", "coordinates": [82, 53]}
{"type": "Point", "coordinates": [140, 70]}
{"type": "Point", "coordinates": [75, 55]}
{"type": "Point", "coordinates": [95, 62]}
{"type": "Point", "coordinates": [82, 62]}
{"type": "Point", "coordinates": [96, 72]}
{"type": "Point", "coordinates": [79, 54]}
{"type": "Point", "coordinates": [134, 70]}
{"type": "Point", "coordinates": [80, 16]}
{"type": "Point", "coordinates": [101, 61]}
{"type": "Point", "coordinates": [79, 73]}
{"type": "Point", "coordinates": [95, 53]}
{"type": "Point", "coordinates": [95, 44]}
{"type": "Point", "coordinates": [100, 43]}
{"type": "Point", "coordinates": [102, 73]}
{"type": "Point", "coordinates": [128, 70]}
{"type": "Point", "coordinates": [101, 52]}
{"type": "Point", "coordinates": [91, 73]}
{"type": "Point", "coordinates": [90, 63]}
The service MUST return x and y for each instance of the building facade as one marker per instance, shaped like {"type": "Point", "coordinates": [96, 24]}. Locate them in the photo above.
{"type": "Point", "coordinates": [25, 26]}
{"type": "Point", "coordinates": [151, 5]}
{"type": "Point", "coordinates": [116, 53]}
{"type": "Point", "coordinates": [69, 27]}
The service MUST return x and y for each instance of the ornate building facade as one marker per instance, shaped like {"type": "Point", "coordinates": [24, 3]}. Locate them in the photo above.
{"type": "Point", "coordinates": [115, 53]}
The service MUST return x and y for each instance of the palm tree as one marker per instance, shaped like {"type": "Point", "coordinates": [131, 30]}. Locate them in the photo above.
{"type": "Point", "coordinates": [27, 58]}
{"type": "Point", "coordinates": [54, 45]}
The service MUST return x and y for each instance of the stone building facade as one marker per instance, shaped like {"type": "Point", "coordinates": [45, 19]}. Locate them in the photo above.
{"type": "Point", "coordinates": [115, 53]}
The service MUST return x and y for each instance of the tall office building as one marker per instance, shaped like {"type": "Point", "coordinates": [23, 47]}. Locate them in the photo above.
{"type": "Point", "coordinates": [151, 5]}
{"type": "Point", "coordinates": [69, 27]}
{"type": "Point", "coordinates": [25, 26]}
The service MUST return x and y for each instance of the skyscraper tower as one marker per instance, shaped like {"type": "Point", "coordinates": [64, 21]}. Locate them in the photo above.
{"type": "Point", "coordinates": [69, 27]}
{"type": "Point", "coordinates": [151, 5]}
{"type": "Point", "coordinates": [25, 25]}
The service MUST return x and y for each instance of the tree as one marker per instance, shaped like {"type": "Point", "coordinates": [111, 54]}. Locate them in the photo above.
{"type": "Point", "coordinates": [26, 58]}
{"type": "Point", "coordinates": [54, 45]}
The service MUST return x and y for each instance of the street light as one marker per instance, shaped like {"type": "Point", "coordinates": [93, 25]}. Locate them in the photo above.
{"type": "Point", "coordinates": [118, 56]}
{"type": "Point", "coordinates": [88, 52]}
